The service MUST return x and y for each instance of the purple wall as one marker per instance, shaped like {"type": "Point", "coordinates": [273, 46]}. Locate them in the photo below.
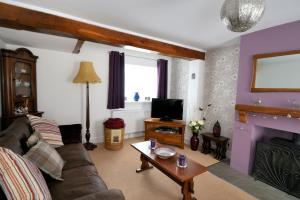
{"type": "Point", "coordinates": [280, 38]}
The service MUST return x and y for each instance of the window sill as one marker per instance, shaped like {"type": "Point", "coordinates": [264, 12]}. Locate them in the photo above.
{"type": "Point", "coordinates": [133, 102]}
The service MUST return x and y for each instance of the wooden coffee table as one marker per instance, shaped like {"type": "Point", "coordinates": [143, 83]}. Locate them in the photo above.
{"type": "Point", "coordinates": [182, 176]}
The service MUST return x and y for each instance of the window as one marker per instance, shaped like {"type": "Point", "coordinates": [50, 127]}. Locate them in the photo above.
{"type": "Point", "coordinates": [142, 79]}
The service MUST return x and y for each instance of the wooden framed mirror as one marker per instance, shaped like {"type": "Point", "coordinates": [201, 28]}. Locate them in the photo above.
{"type": "Point", "coordinates": [276, 72]}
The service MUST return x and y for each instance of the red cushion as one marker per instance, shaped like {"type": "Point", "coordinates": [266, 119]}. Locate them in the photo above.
{"type": "Point", "coordinates": [114, 123]}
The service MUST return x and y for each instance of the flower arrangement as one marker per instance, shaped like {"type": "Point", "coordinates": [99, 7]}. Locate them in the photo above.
{"type": "Point", "coordinates": [196, 125]}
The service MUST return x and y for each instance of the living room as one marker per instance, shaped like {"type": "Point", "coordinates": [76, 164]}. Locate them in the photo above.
{"type": "Point", "coordinates": [212, 71]}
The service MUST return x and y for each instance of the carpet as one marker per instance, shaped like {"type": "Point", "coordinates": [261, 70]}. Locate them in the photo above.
{"type": "Point", "coordinates": [117, 168]}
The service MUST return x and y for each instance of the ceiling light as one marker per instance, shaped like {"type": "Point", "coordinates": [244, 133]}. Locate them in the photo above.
{"type": "Point", "coordinates": [241, 15]}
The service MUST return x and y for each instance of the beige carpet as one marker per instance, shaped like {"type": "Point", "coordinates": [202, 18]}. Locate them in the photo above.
{"type": "Point", "coordinates": [117, 168]}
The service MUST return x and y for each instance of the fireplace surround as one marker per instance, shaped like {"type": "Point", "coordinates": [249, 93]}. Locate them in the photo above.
{"type": "Point", "coordinates": [277, 163]}
{"type": "Point", "coordinates": [251, 128]}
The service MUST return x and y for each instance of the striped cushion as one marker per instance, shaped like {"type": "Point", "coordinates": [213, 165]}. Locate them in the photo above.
{"type": "Point", "coordinates": [48, 130]}
{"type": "Point", "coordinates": [20, 179]}
{"type": "Point", "coordinates": [46, 158]}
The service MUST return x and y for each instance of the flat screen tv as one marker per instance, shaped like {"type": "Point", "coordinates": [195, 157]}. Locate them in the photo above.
{"type": "Point", "coordinates": [167, 109]}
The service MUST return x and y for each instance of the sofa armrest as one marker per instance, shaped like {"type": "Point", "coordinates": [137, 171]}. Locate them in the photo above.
{"type": "Point", "coordinates": [71, 133]}
{"type": "Point", "coordinates": [112, 194]}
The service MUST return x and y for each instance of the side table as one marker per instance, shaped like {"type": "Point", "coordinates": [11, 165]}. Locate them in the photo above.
{"type": "Point", "coordinates": [221, 143]}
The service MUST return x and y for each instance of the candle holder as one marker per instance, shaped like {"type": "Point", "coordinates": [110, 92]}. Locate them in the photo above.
{"type": "Point", "coordinates": [152, 143]}
{"type": "Point", "coordinates": [182, 161]}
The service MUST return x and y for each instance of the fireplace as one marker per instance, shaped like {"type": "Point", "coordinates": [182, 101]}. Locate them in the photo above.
{"type": "Point", "coordinates": [277, 163]}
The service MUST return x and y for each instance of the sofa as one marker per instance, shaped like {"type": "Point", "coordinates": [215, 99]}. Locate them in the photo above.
{"type": "Point", "coordinates": [81, 179]}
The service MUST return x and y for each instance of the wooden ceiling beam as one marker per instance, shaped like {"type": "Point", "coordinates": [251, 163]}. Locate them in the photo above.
{"type": "Point", "coordinates": [25, 19]}
{"type": "Point", "coordinates": [78, 46]}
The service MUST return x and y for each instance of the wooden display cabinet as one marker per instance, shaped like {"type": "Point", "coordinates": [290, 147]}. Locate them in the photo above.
{"type": "Point", "coordinates": [18, 85]}
{"type": "Point", "coordinates": [175, 138]}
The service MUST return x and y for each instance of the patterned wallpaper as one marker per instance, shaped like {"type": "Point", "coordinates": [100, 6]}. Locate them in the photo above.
{"type": "Point", "coordinates": [220, 87]}
{"type": "Point", "coordinates": [180, 81]}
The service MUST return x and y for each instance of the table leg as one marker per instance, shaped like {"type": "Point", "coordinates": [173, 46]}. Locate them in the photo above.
{"type": "Point", "coordinates": [206, 146]}
{"type": "Point", "coordinates": [223, 150]}
{"type": "Point", "coordinates": [145, 165]}
{"type": "Point", "coordinates": [187, 190]}
{"type": "Point", "coordinates": [218, 151]}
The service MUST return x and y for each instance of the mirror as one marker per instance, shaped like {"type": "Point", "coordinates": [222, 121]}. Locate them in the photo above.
{"type": "Point", "coordinates": [276, 72]}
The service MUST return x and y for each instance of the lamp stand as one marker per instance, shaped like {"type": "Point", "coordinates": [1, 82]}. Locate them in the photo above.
{"type": "Point", "coordinates": [88, 145]}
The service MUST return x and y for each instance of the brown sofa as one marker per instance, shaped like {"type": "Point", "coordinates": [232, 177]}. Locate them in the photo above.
{"type": "Point", "coordinates": [81, 179]}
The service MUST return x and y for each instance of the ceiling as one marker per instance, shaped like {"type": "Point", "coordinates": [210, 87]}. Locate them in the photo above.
{"type": "Point", "coordinates": [37, 40]}
{"type": "Point", "coordinates": [192, 23]}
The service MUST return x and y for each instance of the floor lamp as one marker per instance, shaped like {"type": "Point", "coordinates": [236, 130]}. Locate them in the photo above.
{"type": "Point", "coordinates": [87, 74]}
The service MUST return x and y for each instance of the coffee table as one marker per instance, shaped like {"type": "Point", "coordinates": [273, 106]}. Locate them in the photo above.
{"type": "Point", "coordinates": [182, 176]}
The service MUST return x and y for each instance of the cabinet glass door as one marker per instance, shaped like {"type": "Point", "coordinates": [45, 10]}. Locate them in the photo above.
{"type": "Point", "coordinates": [22, 79]}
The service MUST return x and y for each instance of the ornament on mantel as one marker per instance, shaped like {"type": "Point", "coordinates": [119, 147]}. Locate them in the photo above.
{"type": "Point", "coordinates": [257, 102]}
{"type": "Point", "coordinates": [289, 116]}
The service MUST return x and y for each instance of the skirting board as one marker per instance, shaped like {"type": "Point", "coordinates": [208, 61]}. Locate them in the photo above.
{"type": "Point", "coordinates": [127, 135]}
{"type": "Point", "coordinates": [140, 134]}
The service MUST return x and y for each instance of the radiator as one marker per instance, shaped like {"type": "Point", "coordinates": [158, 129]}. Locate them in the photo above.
{"type": "Point", "coordinates": [134, 119]}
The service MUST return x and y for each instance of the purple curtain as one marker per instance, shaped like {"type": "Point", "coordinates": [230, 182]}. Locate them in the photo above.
{"type": "Point", "coordinates": [116, 84]}
{"type": "Point", "coordinates": [162, 77]}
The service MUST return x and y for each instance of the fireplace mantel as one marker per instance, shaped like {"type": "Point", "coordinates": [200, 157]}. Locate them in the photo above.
{"type": "Point", "coordinates": [244, 109]}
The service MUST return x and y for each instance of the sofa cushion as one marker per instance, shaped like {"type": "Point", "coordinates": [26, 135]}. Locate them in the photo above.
{"type": "Point", "coordinates": [77, 182]}
{"type": "Point", "coordinates": [15, 136]}
{"type": "Point", "coordinates": [49, 130]}
{"type": "Point", "coordinates": [75, 155]}
{"type": "Point", "coordinates": [47, 159]}
{"type": "Point", "coordinates": [33, 139]}
{"type": "Point", "coordinates": [21, 179]}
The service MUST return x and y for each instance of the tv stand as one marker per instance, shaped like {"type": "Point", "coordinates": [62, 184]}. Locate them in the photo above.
{"type": "Point", "coordinates": [157, 129]}
{"type": "Point", "coordinates": [166, 119]}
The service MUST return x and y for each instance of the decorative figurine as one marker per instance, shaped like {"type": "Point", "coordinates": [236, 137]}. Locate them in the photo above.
{"type": "Point", "coordinates": [217, 129]}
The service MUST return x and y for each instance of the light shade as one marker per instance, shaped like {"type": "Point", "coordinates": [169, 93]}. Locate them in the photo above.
{"type": "Point", "coordinates": [86, 74]}
{"type": "Point", "coordinates": [241, 15]}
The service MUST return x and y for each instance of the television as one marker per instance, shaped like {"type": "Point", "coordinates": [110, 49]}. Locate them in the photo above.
{"type": "Point", "coordinates": [167, 109]}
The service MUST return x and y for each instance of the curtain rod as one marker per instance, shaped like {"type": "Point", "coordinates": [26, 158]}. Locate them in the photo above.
{"type": "Point", "coordinates": [141, 57]}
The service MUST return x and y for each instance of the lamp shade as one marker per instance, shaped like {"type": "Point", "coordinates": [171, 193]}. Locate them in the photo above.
{"type": "Point", "coordinates": [241, 15]}
{"type": "Point", "coordinates": [86, 74]}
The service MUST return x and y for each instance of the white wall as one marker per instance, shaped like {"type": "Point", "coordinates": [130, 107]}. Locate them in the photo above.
{"type": "Point", "coordinates": [63, 101]}
{"type": "Point", "coordinates": [188, 89]}
{"type": "Point", "coordinates": [195, 94]}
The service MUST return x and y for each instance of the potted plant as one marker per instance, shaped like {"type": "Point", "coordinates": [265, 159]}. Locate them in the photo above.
{"type": "Point", "coordinates": [196, 126]}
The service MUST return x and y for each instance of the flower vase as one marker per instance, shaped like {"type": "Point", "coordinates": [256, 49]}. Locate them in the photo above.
{"type": "Point", "coordinates": [136, 96]}
{"type": "Point", "coordinates": [194, 142]}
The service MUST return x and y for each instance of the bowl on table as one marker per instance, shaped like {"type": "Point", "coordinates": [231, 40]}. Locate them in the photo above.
{"type": "Point", "coordinates": [165, 152]}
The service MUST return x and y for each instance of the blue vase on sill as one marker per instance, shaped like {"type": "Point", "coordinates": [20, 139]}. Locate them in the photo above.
{"type": "Point", "coordinates": [136, 96]}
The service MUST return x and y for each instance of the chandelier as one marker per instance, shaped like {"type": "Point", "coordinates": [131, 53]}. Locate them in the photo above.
{"type": "Point", "coordinates": [241, 15]}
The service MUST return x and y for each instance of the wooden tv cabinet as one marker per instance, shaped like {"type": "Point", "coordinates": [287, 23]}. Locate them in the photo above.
{"type": "Point", "coordinates": [176, 138]}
